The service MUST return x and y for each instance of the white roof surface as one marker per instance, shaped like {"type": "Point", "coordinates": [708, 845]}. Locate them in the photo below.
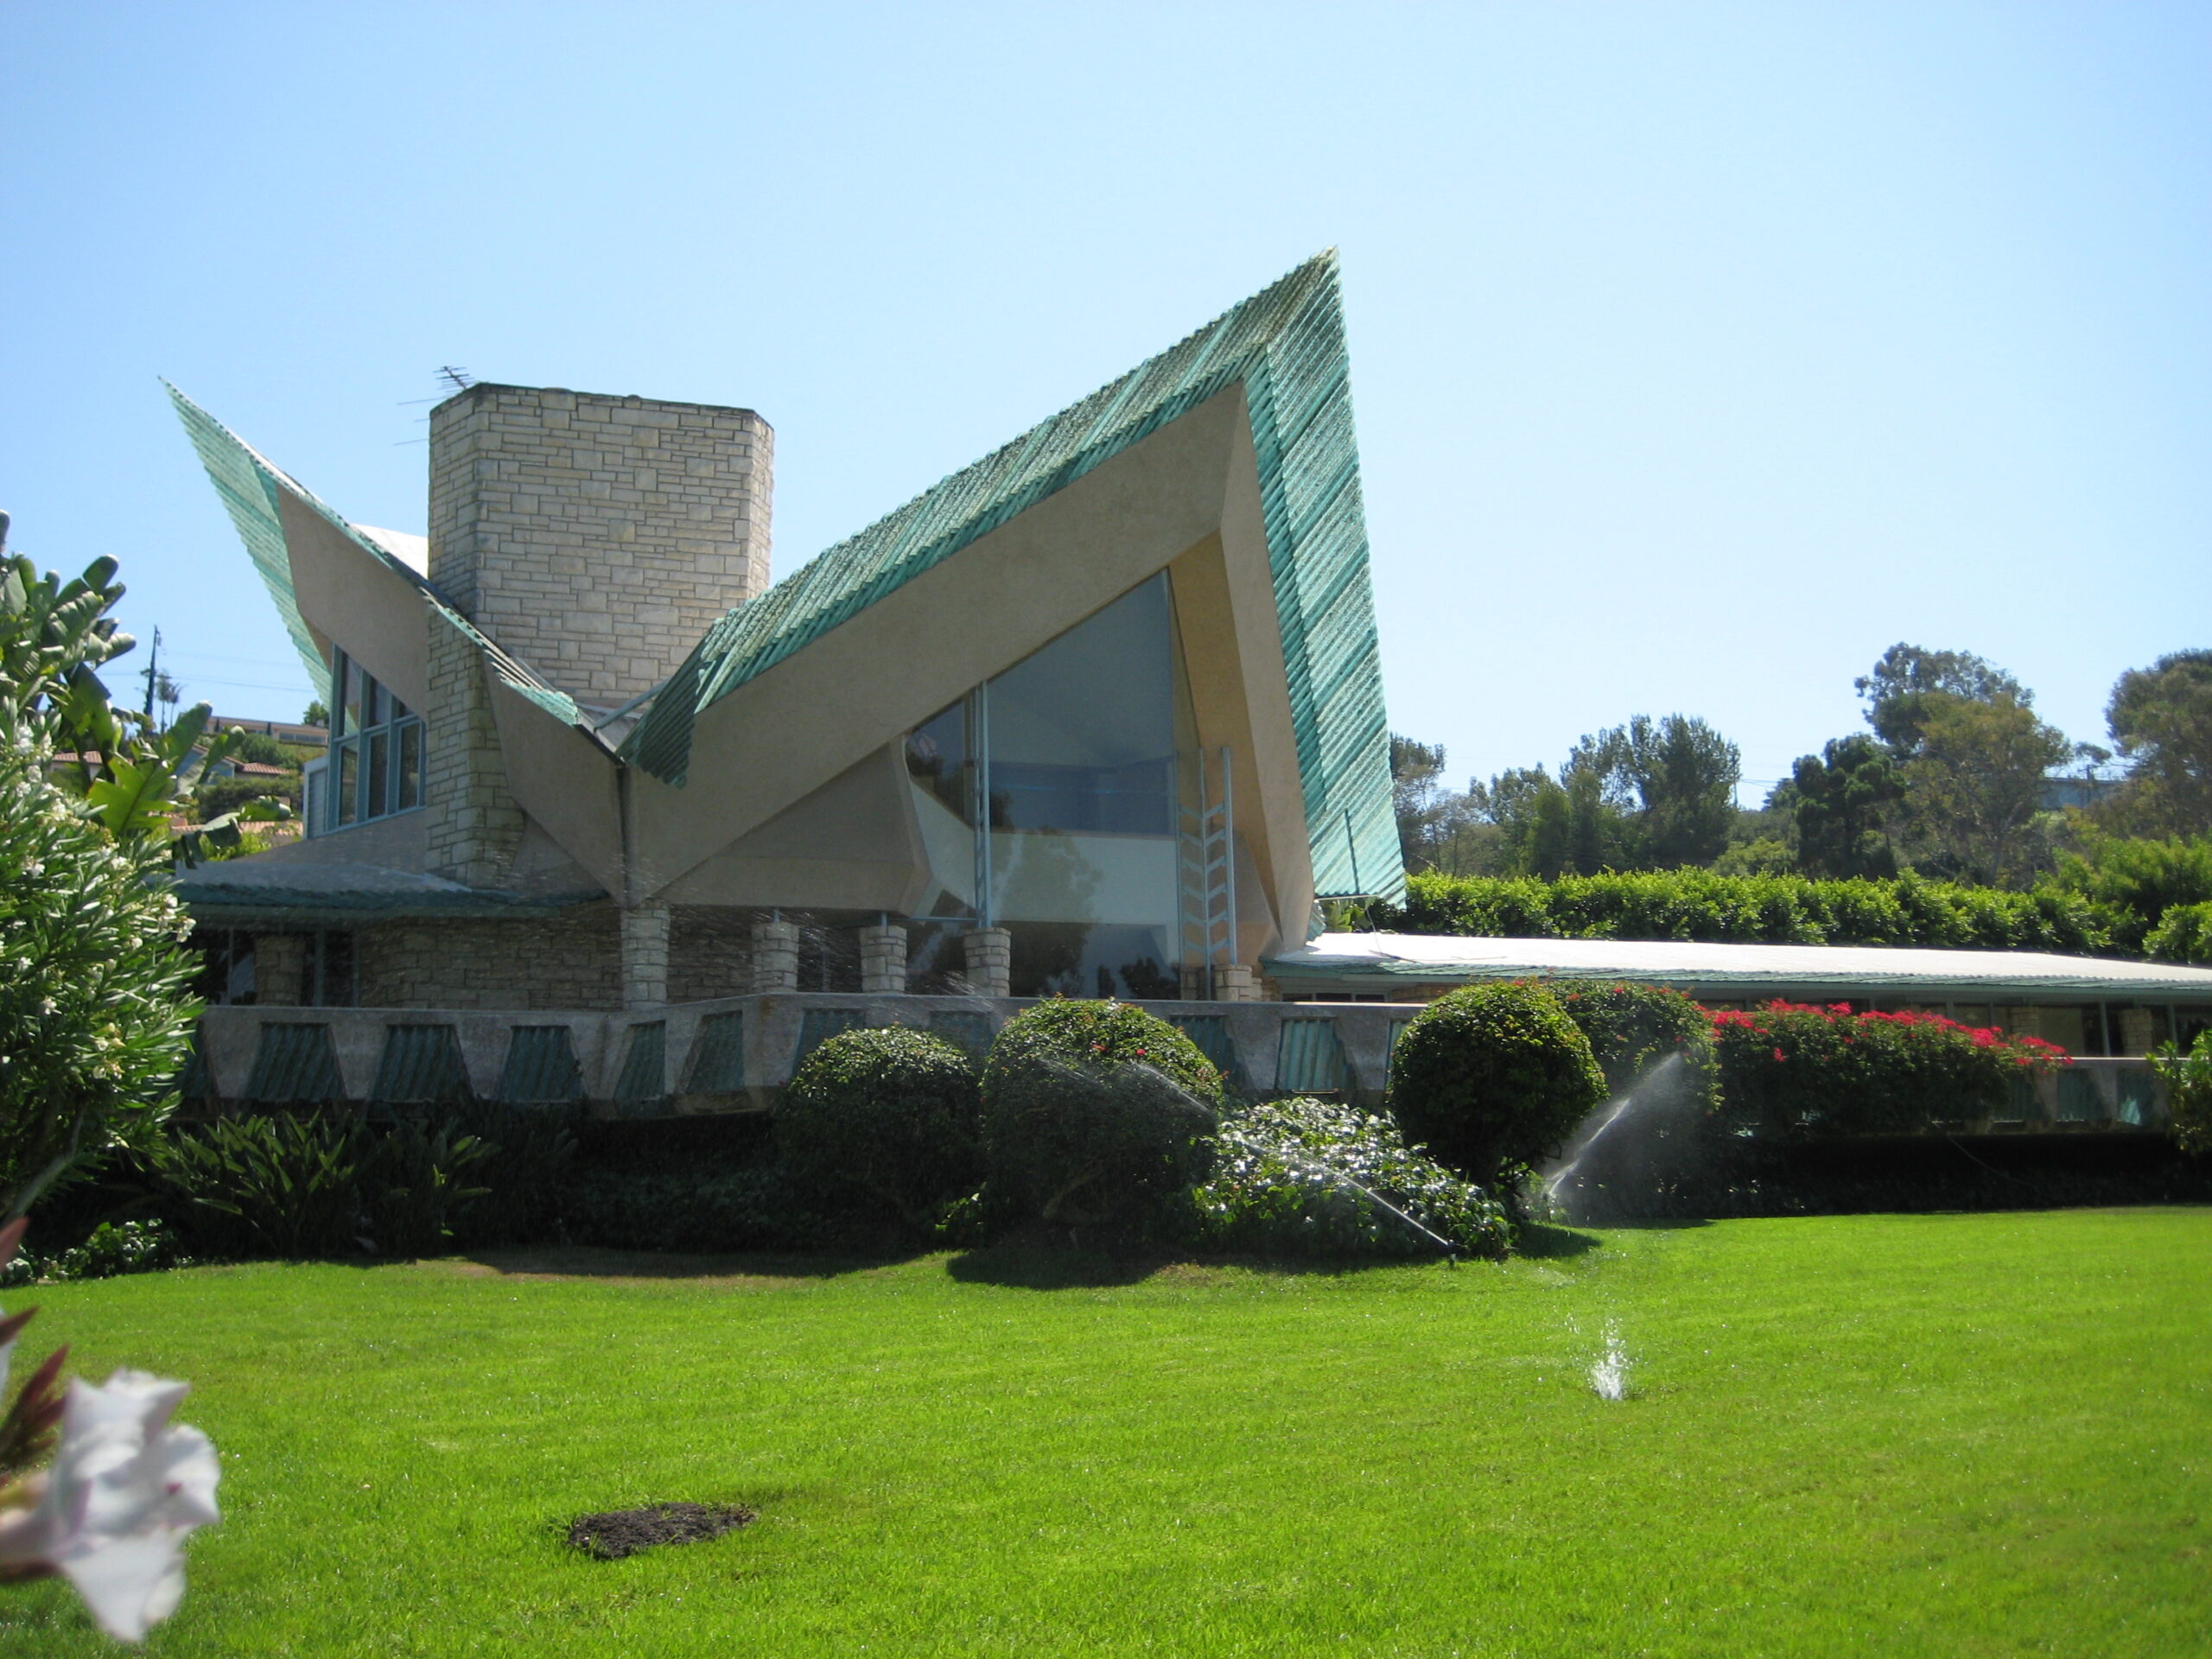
{"type": "Point", "coordinates": [1424, 955]}
{"type": "Point", "coordinates": [413, 551]}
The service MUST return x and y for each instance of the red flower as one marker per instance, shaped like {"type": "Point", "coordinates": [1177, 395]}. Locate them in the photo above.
{"type": "Point", "coordinates": [1778, 1057]}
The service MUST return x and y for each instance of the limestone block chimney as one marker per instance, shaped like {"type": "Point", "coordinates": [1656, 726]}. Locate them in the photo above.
{"type": "Point", "coordinates": [594, 538]}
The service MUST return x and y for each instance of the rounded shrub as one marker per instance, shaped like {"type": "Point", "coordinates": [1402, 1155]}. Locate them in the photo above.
{"type": "Point", "coordinates": [1093, 1109]}
{"type": "Point", "coordinates": [891, 1112]}
{"type": "Point", "coordinates": [1493, 1075]}
{"type": "Point", "coordinates": [1634, 1028]}
{"type": "Point", "coordinates": [1310, 1177]}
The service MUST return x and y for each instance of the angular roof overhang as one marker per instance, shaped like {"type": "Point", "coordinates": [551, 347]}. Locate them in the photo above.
{"type": "Point", "coordinates": [1283, 350]}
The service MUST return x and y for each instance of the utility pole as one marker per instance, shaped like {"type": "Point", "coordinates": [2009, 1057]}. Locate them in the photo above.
{"type": "Point", "coordinates": [153, 661]}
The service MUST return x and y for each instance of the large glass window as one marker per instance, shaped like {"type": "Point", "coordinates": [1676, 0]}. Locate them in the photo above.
{"type": "Point", "coordinates": [1048, 801]}
{"type": "Point", "coordinates": [375, 766]}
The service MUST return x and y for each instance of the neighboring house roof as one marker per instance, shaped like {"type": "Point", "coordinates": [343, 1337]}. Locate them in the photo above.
{"type": "Point", "coordinates": [1771, 969]}
{"type": "Point", "coordinates": [335, 894]}
{"type": "Point", "coordinates": [1286, 346]}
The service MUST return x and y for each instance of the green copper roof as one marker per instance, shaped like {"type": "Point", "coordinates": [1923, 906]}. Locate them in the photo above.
{"type": "Point", "coordinates": [249, 484]}
{"type": "Point", "coordinates": [1286, 346]}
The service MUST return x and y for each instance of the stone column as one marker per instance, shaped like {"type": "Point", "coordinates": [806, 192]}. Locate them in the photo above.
{"type": "Point", "coordinates": [775, 955]}
{"type": "Point", "coordinates": [990, 951]}
{"type": "Point", "coordinates": [280, 970]}
{"type": "Point", "coordinates": [883, 957]}
{"type": "Point", "coordinates": [1235, 983]}
{"type": "Point", "coordinates": [1194, 988]}
{"type": "Point", "coordinates": [645, 957]}
{"type": "Point", "coordinates": [2138, 1030]}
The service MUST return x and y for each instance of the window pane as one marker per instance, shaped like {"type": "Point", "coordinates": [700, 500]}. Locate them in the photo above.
{"type": "Point", "coordinates": [378, 704]}
{"type": "Point", "coordinates": [410, 765]}
{"type": "Point", "coordinates": [354, 678]}
{"type": "Point", "coordinates": [398, 708]}
{"type": "Point", "coordinates": [334, 969]}
{"type": "Point", "coordinates": [337, 728]}
{"type": "Point", "coordinates": [349, 778]}
{"type": "Point", "coordinates": [380, 775]}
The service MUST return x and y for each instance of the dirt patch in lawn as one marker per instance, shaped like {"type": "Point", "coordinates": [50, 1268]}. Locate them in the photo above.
{"type": "Point", "coordinates": [616, 1533]}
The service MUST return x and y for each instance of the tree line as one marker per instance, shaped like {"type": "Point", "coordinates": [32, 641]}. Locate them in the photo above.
{"type": "Point", "coordinates": [1956, 779]}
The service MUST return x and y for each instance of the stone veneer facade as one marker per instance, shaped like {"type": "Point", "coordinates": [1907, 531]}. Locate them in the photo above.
{"type": "Point", "coordinates": [571, 960]}
{"type": "Point", "coordinates": [597, 538]}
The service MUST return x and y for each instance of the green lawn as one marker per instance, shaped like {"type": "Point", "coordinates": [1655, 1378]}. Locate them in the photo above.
{"type": "Point", "coordinates": [1946, 1435]}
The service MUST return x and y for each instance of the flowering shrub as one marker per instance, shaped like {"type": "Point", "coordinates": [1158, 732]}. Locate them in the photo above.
{"type": "Point", "coordinates": [1493, 1075]}
{"type": "Point", "coordinates": [1792, 1067]}
{"type": "Point", "coordinates": [1091, 1109]}
{"type": "Point", "coordinates": [124, 1489]}
{"type": "Point", "coordinates": [1315, 1177]}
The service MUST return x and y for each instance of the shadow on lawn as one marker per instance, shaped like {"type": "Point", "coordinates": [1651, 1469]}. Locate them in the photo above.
{"type": "Point", "coordinates": [589, 1262]}
{"type": "Point", "coordinates": [1044, 1266]}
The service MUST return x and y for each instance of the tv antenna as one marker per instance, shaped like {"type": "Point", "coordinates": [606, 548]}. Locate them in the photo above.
{"type": "Point", "coordinates": [460, 379]}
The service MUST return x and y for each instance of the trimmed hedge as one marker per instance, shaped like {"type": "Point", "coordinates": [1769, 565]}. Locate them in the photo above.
{"type": "Point", "coordinates": [1491, 1075]}
{"type": "Point", "coordinates": [1751, 910]}
{"type": "Point", "coordinates": [890, 1111]}
{"type": "Point", "coordinates": [1094, 1109]}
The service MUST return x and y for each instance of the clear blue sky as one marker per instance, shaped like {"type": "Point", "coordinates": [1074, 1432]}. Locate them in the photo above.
{"type": "Point", "coordinates": [1699, 352]}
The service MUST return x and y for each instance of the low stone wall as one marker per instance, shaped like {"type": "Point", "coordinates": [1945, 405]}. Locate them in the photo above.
{"type": "Point", "coordinates": [735, 1053]}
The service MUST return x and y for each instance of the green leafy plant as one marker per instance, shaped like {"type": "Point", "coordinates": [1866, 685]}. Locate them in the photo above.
{"type": "Point", "coordinates": [2184, 934]}
{"type": "Point", "coordinates": [1493, 1075]}
{"type": "Point", "coordinates": [1632, 1028]}
{"type": "Point", "coordinates": [892, 1113]}
{"type": "Point", "coordinates": [1313, 1177]}
{"type": "Point", "coordinates": [1092, 1110]}
{"type": "Point", "coordinates": [2187, 1074]}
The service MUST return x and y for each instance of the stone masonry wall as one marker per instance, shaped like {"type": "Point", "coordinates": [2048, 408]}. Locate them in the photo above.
{"type": "Point", "coordinates": [710, 953]}
{"type": "Point", "coordinates": [597, 538]}
{"type": "Point", "coordinates": [471, 821]}
{"type": "Point", "coordinates": [572, 960]}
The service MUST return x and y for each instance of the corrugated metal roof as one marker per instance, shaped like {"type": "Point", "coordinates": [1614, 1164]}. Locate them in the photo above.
{"type": "Point", "coordinates": [644, 1082]}
{"type": "Point", "coordinates": [541, 1068]}
{"type": "Point", "coordinates": [1308, 1057]}
{"type": "Point", "coordinates": [421, 1066]}
{"type": "Point", "coordinates": [1752, 967]}
{"type": "Point", "coordinates": [248, 483]}
{"type": "Point", "coordinates": [1286, 346]}
{"type": "Point", "coordinates": [1210, 1032]}
{"type": "Point", "coordinates": [718, 1055]}
{"type": "Point", "coordinates": [295, 1064]}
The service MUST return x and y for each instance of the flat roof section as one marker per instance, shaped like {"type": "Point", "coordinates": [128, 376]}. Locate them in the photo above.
{"type": "Point", "coordinates": [1751, 968]}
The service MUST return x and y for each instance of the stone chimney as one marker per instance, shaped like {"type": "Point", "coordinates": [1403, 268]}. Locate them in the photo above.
{"type": "Point", "coordinates": [596, 538]}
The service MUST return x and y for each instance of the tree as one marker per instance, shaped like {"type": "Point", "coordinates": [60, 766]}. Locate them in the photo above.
{"type": "Point", "coordinates": [316, 714]}
{"type": "Point", "coordinates": [1685, 775]}
{"type": "Point", "coordinates": [2161, 722]}
{"type": "Point", "coordinates": [1975, 785]}
{"type": "Point", "coordinates": [1841, 798]}
{"type": "Point", "coordinates": [1908, 682]}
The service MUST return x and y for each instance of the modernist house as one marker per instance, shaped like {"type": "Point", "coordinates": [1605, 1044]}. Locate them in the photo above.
{"type": "Point", "coordinates": [604, 814]}
{"type": "Point", "coordinates": [1099, 713]}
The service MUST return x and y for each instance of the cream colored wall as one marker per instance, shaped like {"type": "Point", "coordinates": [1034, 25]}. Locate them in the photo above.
{"type": "Point", "coordinates": [346, 593]}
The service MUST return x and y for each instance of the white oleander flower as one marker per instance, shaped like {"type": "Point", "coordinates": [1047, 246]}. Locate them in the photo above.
{"type": "Point", "coordinates": [126, 1489]}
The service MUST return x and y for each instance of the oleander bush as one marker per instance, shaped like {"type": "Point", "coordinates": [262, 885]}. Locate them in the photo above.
{"type": "Point", "coordinates": [1096, 1111]}
{"type": "Point", "coordinates": [2187, 1074]}
{"type": "Point", "coordinates": [1491, 1075]}
{"type": "Point", "coordinates": [1696, 903]}
{"type": "Point", "coordinates": [1305, 1177]}
{"type": "Point", "coordinates": [1793, 1069]}
{"type": "Point", "coordinates": [891, 1114]}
